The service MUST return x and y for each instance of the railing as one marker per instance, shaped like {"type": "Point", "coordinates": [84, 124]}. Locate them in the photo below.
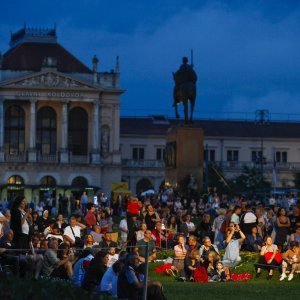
{"type": "Point", "coordinates": [145, 163]}
{"type": "Point", "coordinates": [239, 165]}
{"type": "Point", "coordinates": [20, 157]}
{"type": "Point", "coordinates": [79, 159]}
{"type": "Point", "coordinates": [47, 158]}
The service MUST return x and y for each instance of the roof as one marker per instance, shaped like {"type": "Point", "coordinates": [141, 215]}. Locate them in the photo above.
{"type": "Point", "coordinates": [29, 56]}
{"type": "Point", "coordinates": [214, 128]}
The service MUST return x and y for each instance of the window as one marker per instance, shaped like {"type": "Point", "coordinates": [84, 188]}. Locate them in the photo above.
{"type": "Point", "coordinates": [232, 155]}
{"type": "Point", "coordinates": [14, 130]}
{"type": "Point", "coordinates": [256, 156]}
{"type": "Point", "coordinates": [138, 153]}
{"type": "Point", "coordinates": [160, 154]}
{"type": "Point", "coordinates": [46, 131]}
{"type": "Point", "coordinates": [281, 156]}
{"type": "Point", "coordinates": [78, 131]}
{"type": "Point", "coordinates": [210, 155]}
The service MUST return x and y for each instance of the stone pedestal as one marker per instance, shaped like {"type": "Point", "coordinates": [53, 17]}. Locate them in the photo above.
{"type": "Point", "coordinates": [184, 156]}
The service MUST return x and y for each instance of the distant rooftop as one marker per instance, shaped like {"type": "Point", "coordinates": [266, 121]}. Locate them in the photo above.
{"type": "Point", "coordinates": [30, 34]}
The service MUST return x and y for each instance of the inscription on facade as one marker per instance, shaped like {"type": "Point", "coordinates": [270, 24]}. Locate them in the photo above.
{"type": "Point", "coordinates": [52, 94]}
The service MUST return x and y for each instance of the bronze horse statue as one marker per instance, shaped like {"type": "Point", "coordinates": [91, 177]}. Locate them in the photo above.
{"type": "Point", "coordinates": [185, 89]}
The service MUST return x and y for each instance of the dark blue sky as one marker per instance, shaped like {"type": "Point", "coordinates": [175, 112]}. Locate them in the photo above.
{"type": "Point", "coordinates": [246, 53]}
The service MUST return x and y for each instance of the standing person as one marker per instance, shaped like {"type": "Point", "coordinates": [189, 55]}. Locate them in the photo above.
{"type": "Point", "coordinates": [235, 217]}
{"type": "Point", "coordinates": [248, 220]}
{"type": "Point", "coordinates": [124, 231]}
{"type": "Point", "coordinates": [20, 222]}
{"type": "Point", "coordinates": [283, 228]}
{"type": "Point", "coordinates": [90, 218]}
{"type": "Point", "coordinates": [84, 202]}
{"type": "Point", "coordinates": [180, 252]}
{"type": "Point", "coordinates": [151, 217]}
{"type": "Point", "coordinates": [217, 225]}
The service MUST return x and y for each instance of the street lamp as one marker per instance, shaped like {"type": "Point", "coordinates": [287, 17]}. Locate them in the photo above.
{"type": "Point", "coordinates": [262, 117]}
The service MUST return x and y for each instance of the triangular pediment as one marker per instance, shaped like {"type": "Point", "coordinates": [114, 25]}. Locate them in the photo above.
{"type": "Point", "coordinates": [49, 79]}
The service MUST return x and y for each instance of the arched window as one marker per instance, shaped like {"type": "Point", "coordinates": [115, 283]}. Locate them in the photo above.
{"type": "Point", "coordinates": [78, 131]}
{"type": "Point", "coordinates": [79, 182]}
{"type": "Point", "coordinates": [14, 130]}
{"type": "Point", "coordinates": [143, 185]}
{"type": "Point", "coordinates": [48, 181]}
{"type": "Point", "coordinates": [46, 130]}
{"type": "Point", "coordinates": [15, 180]}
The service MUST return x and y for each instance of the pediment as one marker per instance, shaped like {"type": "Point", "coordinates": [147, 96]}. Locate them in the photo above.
{"type": "Point", "coordinates": [49, 79]}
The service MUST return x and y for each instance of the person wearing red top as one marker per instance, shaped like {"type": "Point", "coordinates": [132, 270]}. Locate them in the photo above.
{"type": "Point", "coordinates": [90, 218]}
{"type": "Point", "coordinates": [133, 206]}
{"type": "Point", "coordinates": [159, 235]}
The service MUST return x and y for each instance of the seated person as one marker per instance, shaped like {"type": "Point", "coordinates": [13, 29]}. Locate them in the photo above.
{"type": "Point", "coordinates": [95, 272]}
{"type": "Point", "coordinates": [191, 262]}
{"type": "Point", "coordinates": [205, 249]}
{"type": "Point", "coordinates": [268, 258]}
{"type": "Point", "coordinates": [88, 241]}
{"type": "Point", "coordinates": [96, 234]}
{"type": "Point", "coordinates": [234, 239]}
{"type": "Point", "coordinates": [112, 256]}
{"type": "Point", "coordinates": [253, 241]}
{"type": "Point", "coordinates": [110, 278]}
{"type": "Point", "coordinates": [213, 258]}
{"type": "Point", "coordinates": [159, 235]}
{"type": "Point", "coordinates": [82, 264]}
{"type": "Point", "coordinates": [130, 286]}
{"type": "Point", "coordinates": [52, 265]}
{"type": "Point", "coordinates": [55, 233]}
{"type": "Point", "coordinates": [219, 273]}
{"type": "Point", "coordinates": [291, 259]}
{"type": "Point", "coordinates": [72, 233]}
{"type": "Point", "coordinates": [107, 241]}
{"type": "Point", "coordinates": [180, 252]}
{"type": "Point", "coordinates": [151, 247]}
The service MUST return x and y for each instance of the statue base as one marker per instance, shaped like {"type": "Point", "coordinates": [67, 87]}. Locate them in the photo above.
{"type": "Point", "coordinates": [184, 158]}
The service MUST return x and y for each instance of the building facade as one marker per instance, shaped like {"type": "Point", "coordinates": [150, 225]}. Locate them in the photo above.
{"type": "Point", "coordinates": [272, 148]}
{"type": "Point", "coordinates": [59, 120]}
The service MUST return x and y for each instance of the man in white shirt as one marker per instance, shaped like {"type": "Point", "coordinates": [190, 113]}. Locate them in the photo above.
{"type": "Point", "coordinates": [73, 230]}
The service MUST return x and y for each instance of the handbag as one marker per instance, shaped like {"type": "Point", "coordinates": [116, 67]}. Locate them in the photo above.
{"type": "Point", "coordinates": [78, 240]}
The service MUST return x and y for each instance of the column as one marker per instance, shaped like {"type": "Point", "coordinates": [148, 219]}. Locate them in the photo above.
{"type": "Point", "coordinates": [116, 134]}
{"type": "Point", "coordinates": [95, 133]}
{"type": "Point", "coordinates": [64, 155]}
{"type": "Point", "coordinates": [32, 134]}
{"type": "Point", "coordinates": [1, 130]}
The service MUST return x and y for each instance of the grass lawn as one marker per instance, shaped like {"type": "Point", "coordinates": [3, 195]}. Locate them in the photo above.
{"type": "Point", "coordinates": [253, 289]}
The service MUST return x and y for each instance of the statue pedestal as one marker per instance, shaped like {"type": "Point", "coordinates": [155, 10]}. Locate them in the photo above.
{"type": "Point", "coordinates": [184, 156]}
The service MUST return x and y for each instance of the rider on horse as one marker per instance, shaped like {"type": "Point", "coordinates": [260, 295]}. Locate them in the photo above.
{"type": "Point", "coordinates": [185, 86]}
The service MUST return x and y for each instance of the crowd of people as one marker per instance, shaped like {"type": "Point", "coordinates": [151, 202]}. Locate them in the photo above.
{"type": "Point", "coordinates": [97, 251]}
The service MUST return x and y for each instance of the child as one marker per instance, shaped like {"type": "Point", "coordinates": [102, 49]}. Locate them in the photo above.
{"type": "Point", "coordinates": [219, 274]}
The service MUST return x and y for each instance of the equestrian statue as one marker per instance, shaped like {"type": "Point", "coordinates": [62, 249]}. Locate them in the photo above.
{"type": "Point", "coordinates": [185, 89]}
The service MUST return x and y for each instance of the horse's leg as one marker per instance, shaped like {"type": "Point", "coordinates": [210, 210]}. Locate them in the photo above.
{"type": "Point", "coordinates": [192, 103]}
{"type": "Point", "coordinates": [185, 105]}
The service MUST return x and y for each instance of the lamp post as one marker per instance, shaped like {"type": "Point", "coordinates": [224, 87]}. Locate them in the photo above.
{"type": "Point", "coordinates": [262, 117]}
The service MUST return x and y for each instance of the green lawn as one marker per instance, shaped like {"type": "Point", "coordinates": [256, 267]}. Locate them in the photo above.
{"type": "Point", "coordinates": [253, 289]}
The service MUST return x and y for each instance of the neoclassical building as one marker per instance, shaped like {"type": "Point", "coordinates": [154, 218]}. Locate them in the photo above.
{"type": "Point", "coordinates": [59, 119]}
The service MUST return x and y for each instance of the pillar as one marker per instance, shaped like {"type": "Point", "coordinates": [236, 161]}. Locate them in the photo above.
{"type": "Point", "coordinates": [95, 131]}
{"type": "Point", "coordinates": [64, 155]}
{"type": "Point", "coordinates": [32, 134]}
